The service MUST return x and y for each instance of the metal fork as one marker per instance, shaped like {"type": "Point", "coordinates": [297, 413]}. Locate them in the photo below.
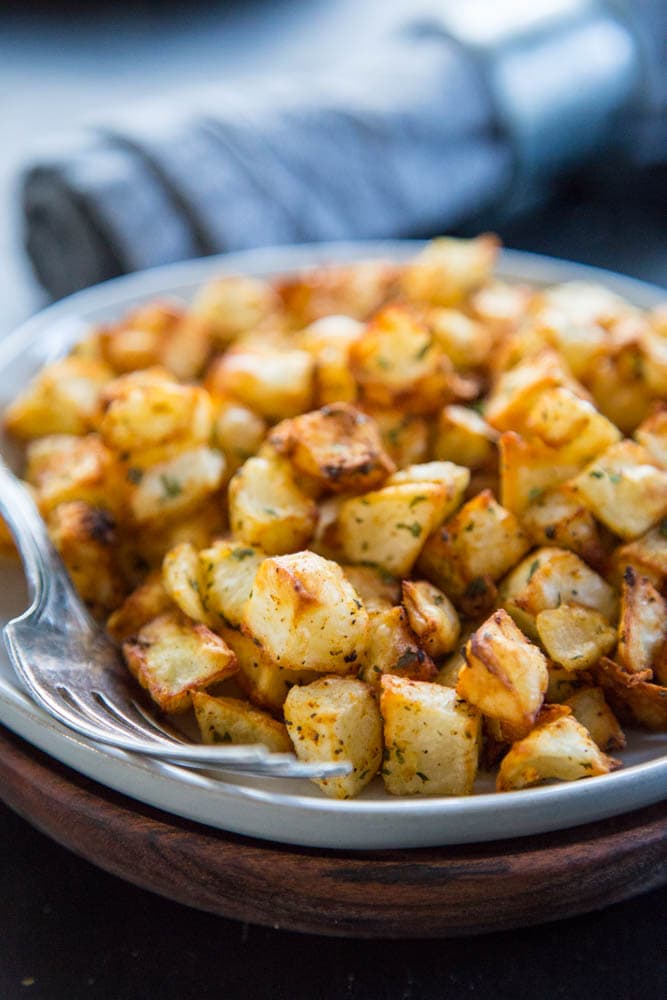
{"type": "Point", "coordinates": [74, 671]}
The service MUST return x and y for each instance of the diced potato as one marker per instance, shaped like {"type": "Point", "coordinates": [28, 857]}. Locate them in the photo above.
{"type": "Point", "coordinates": [393, 648]}
{"type": "Point", "coordinates": [149, 542]}
{"type": "Point", "coordinates": [505, 676]}
{"type": "Point", "coordinates": [226, 574]}
{"type": "Point", "coordinates": [388, 527]}
{"type": "Point", "coordinates": [328, 340]}
{"type": "Point", "coordinates": [141, 417]}
{"type": "Point", "coordinates": [62, 399]}
{"type": "Point", "coordinates": [633, 698]}
{"type": "Point", "coordinates": [548, 578]}
{"type": "Point", "coordinates": [336, 719]}
{"type": "Point", "coordinates": [619, 388]}
{"type": "Point", "coordinates": [454, 479]}
{"type": "Point", "coordinates": [652, 435]}
{"type": "Point", "coordinates": [176, 486]}
{"type": "Point", "coordinates": [448, 269]}
{"type": "Point", "coordinates": [356, 290]}
{"type": "Point", "coordinates": [230, 720]}
{"type": "Point", "coordinates": [64, 467]}
{"type": "Point", "coordinates": [647, 556]}
{"type": "Point", "coordinates": [306, 615]}
{"type": "Point", "coordinates": [263, 681]}
{"type": "Point", "coordinates": [432, 616]}
{"type": "Point", "coordinates": [584, 302]}
{"type": "Point", "coordinates": [624, 489]}
{"type": "Point", "coordinates": [146, 602]}
{"type": "Point", "coordinates": [234, 304]}
{"type": "Point", "coordinates": [339, 447]}
{"type": "Point", "coordinates": [172, 657]}
{"type": "Point", "coordinates": [473, 550]}
{"type": "Point", "coordinates": [571, 425]}
{"type": "Point", "coordinates": [466, 342]}
{"type": "Point", "coordinates": [397, 362]}
{"type": "Point", "coordinates": [563, 684]}
{"type": "Point", "coordinates": [462, 436]}
{"type": "Point", "coordinates": [274, 382]}
{"type": "Point", "coordinates": [557, 517]}
{"type": "Point", "coordinates": [518, 388]}
{"type": "Point", "coordinates": [267, 508]}
{"type": "Point", "coordinates": [238, 432]}
{"type": "Point", "coordinates": [86, 539]}
{"type": "Point", "coordinates": [528, 469]}
{"type": "Point", "coordinates": [574, 636]}
{"type": "Point", "coordinates": [158, 334]}
{"type": "Point", "coordinates": [432, 739]}
{"type": "Point", "coordinates": [642, 629]}
{"type": "Point", "coordinates": [405, 436]}
{"type": "Point", "coordinates": [592, 711]}
{"type": "Point", "coordinates": [558, 748]}
{"type": "Point", "coordinates": [500, 306]}
{"type": "Point", "coordinates": [377, 589]}
{"type": "Point", "coordinates": [182, 581]}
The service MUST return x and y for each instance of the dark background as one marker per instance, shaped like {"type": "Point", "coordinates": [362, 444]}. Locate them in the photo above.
{"type": "Point", "coordinates": [68, 930]}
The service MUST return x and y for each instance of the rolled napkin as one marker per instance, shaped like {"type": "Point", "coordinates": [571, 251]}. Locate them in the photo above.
{"type": "Point", "coordinates": [437, 125]}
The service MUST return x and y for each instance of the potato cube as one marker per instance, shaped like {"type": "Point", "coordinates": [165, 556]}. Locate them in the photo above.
{"type": "Point", "coordinates": [405, 436]}
{"type": "Point", "coordinates": [173, 488]}
{"type": "Point", "coordinates": [393, 648]}
{"type": "Point", "coordinates": [624, 489]}
{"type": "Point", "coordinates": [159, 415]}
{"type": "Point", "coordinates": [230, 720]}
{"type": "Point", "coordinates": [569, 424]}
{"type": "Point", "coordinates": [473, 550]}
{"type": "Point", "coordinates": [563, 684]}
{"type": "Point", "coordinates": [339, 447]}
{"type": "Point", "coordinates": [306, 615]}
{"type": "Point", "coordinates": [558, 748]}
{"type": "Point", "coordinates": [263, 681]}
{"type": "Point", "coordinates": [592, 711]}
{"type": "Point", "coordinates": [528, 469]}
{"type": "Point", "coordinates": [235, 303]}
{"type": "Point", "coordinates": [449, 269]}
{"type": "Point", "coordinates": [642, 629]}
{"type": "Point", "coordinates": [466, 342]}
{"type": "Point", "coordinates": [226, 574]}
{"type": "Point", "coordinates": [633, 698]}
{"type": "Point", "coordinates": [62, 399]}
{"type": "Point", "coordinates": [377, 589]}
{"type": "Point", "coordinates": [238, 432]}
{"type": "Point", "coordinates": [267, 509]}
{"type": "Point", "coordinates": [454, 479]}
{"type": "Point", "coordinates": [64, 467]}
{"type": "Point", "coordinates": [432, 739]}
{"type": "Point", "coordinates": [149, 542]}
{"type": "Point", "coordinates": [647, 556]}
{"type": "Point", "coordinates": [464, 437]}
{"type": "Point", "coordinates": [182, 581]}
{"type": "Point", "coordinates": [558, 517]}
{"type": "Point", "coordinates": [332, 719]}
{"type": "Point", "coordinates": [432, 616]}
{"type": "Point", "coordinates": [356, 290]}
{"type": "Point", "coordinates": [172, 657]}
{"type": "Point", "coordinates": [548, 578]}
{"type": "Point", "coordinates": [517, 389]}
{"type": "Point", "coordinates": [328, 340]}
{"type": "Point", "coordinates": [652, 435]}
{"type": "Point", "coordinates": [500, 306]}
{"type": "Point", "coordinates": [275, 382]}
{"type": "Point", "coordinates": [146, 602]}
{"type": "Point", "coordinates": [574, 636]}
{"type": "Point", "coordinates": [158, 333]}
{"type": "Point", "coordinates": [505, 675]}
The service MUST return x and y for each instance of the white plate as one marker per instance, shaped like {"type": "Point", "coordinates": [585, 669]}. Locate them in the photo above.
{"type": "Point", "coordinates": [296, 812]}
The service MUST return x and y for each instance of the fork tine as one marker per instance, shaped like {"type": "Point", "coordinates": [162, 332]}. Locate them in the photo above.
{"type": "Point", "coordinates": [91, 714]}
{"type": "Point", "coordinates": [113, 710]}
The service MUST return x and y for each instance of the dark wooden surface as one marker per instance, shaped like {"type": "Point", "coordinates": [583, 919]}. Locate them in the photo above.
{"type": "Point", "coordinates": [448, 891]}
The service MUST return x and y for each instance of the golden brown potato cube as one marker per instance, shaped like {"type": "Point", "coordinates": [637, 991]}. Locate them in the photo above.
{"type": "Point", "coordinates": [466, 342]}
{"type": "Point", "coordinates": [472, 550]}
{"type": "Point", "coordinates": [158, 333]}
{"type": "Point", "coordinates": [377, 589]}
{"type": "Point", "coordinates": [448, 269]}
{"type": "Point", "coordinates": [563, 684]}
{"type": "Point", "coordinates": [432, 739]}
{"type": "Point", "coordinates": [388, 527]}
{"type": "Point", "coordinates": [592, 711]}
{"type": "Point", "coordinates": [624, 489]}
{"type": "Point", "coordinates": [558, 748]}
{"type": "Point", "coordinates": [274, 382]}
{"type": "Point", "coordinates": [652, 435]}
{"type": "Point", "coordinates": [238, 432]}
{"type": "Point", "coordinates": [263, 681]}
{"type": "Point", "coordinates": [464, 437]}
{"type": "Point", "coordinates": [226, 573]}
{"type": "Point", "coordinates": [306, 615]}
{"type": "Point", "coordinates": [328, 340]}
{"type": "Point", "coordinates": [62, 399]}
{"type": "Point", "coordinates": [182, 581]}
{"type": "Point", "coordinates": [393, 648]}
{"type": "Point", "coordinates": [339, 447]}
{"type": "Point", "coordinates": [172, 657]}
{"type": "Point", "coordinates": [549, 577]}
{"type": "Point", "coordinates": [634, 699]}
{"type": "Point", "coordinates": [355, 290]}
{"type": "Point", "coordinates": [336, 719]}
{"type": "Point", "coordinates": [397, 362]}
{"type": "Point", "coordinates": [557, 517]}
{"type": "Point", "coordinates": [619, 388]}
{"type": "Point", "coordinates": [647, 556]}
{"type": "Point", "coordinates": [569, 424]}
{"type": "Point", "coordinates": [173, 488]}
{"type": "Point", "coordinates": [500, 306]}
{"type": "Point", "coordinates": [234, 304]}
{"type": "Point", "coordinates": [574, 636]}
{"type": "Point", "coordinates": [267, 509]}
{"type": "Point", "coordinates": [505, 675]}
{"type": "Point", "coordinates": [63, 467]}
{"type": "Point", "coordinates": [642, 628]}
{"type": "Point", "coordinates": [87, 541]}
{"type": "Point", "coordinates": [151, 541]}
{"type": "Point", "coordinates": [454, 479]}
{"type": "Point", "coordinates": [432, 616]}
{"type": "Point", "coordinates": [528, 469]}
{"type": "Point", "coordinates": [146, 602]}
{"type": "Point", "coordinates": [230, 720]}
{"type": "Point", "coordinates": [405, 436]}
{"type": "Point", "coordinates": [517, 389]}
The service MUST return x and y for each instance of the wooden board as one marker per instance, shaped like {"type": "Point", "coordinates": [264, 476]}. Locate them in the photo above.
{"type": "Point", "coordinates": [433, 892]}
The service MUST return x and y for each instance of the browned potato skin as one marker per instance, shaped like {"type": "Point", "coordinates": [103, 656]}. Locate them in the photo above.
{"type": "Point", "coordinates": [633, 697]}
{"type": "Point", "coordinates": [338, 446]}
{"type": "Point", "coordinates": [393, 648]}
{"type": "Point", "coordinates": [231, 720]}
{"type": "Point", "coordinates": [146, 602]}
{"type": "Point", "coordinates": [643, 623]}
{"type": "Point", "coordinates": [592, 711]}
